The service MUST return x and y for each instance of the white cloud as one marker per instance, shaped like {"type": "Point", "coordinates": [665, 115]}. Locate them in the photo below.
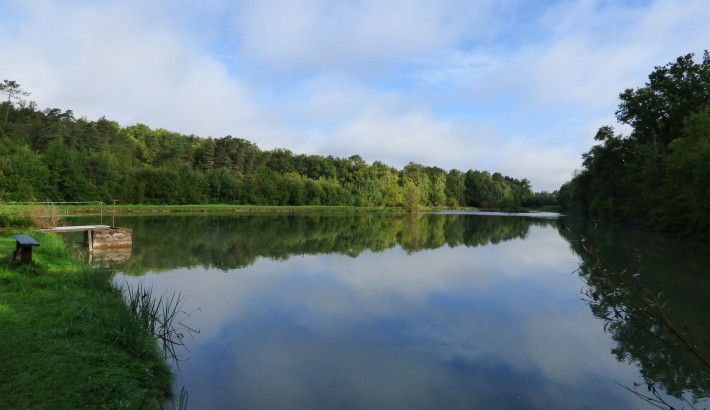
{"type": "Point", "coordinates": [329, 295]}
{"type": "Point", "coordinates": [552, 164]}
{"type": "Point", "coordinates": [396, 136]}
{"type": "Point", "coordinates": [448, 83]}
{"type": "Point", "coordinates": [325, 35]}
{"type": "Point", "coordinates": [112, 61]}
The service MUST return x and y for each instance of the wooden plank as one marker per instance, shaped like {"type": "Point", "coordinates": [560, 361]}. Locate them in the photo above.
{"type": "Point", "coordinates": [25, 240]}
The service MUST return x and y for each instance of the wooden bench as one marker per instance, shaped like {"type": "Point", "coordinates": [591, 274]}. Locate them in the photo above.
{"type": "Point", "coordinates": [24, 246]}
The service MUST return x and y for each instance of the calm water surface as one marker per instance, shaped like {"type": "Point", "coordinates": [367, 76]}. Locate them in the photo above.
{"type": "Point", "coordinates": [377, 311]}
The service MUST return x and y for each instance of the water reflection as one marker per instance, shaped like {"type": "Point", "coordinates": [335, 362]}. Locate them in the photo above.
{"type": "Point", "coordinates": [109, 256]}
{"type": "Point", "coordinates": [236, 241]}
{"type": "Point", "coordinates": [652, 303]}
{"type": "Point", "coordinates": [382, 311]}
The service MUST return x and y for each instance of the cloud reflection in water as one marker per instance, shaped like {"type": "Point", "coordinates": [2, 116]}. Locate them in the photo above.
{"type": "Point", "coordinates": [496, 326]}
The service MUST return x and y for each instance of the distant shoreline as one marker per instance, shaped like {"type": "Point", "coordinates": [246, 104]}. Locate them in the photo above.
{"type": "Point", "coordinates": [124, 209]}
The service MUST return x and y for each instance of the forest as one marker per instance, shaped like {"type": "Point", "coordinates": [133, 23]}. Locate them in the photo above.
{"type": "Point", "coordinates": [50, 155]}
{"type": "Point", "coordinates": [659, 174]}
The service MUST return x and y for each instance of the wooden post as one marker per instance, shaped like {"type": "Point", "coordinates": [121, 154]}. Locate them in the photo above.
{"type": "Point", "coordinates": [26, 254]}
{"type": "Point", "coordinates": [89, 239]}
{"type": "Point", "coordinates": [113, 218]}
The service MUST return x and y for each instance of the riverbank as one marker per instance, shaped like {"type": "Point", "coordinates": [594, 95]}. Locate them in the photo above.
{"type": "Point", "coordinates": [45, 211]}
{"type": "Point", "coordinates": [69, 341]}
{"type": "Point", "coordinates": [211, 208]}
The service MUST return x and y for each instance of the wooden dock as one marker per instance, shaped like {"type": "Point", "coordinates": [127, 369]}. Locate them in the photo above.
{"type": "Point", "coordinates": [87, 229]}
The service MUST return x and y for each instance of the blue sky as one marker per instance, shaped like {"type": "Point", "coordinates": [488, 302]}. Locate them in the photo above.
{"type": "Point", "coordinates": [512, 86]}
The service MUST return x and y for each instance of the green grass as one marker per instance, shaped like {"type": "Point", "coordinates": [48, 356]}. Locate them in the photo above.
{"type": "Point", "coordinates": [59, 211]}
{"type": "Point", "coordinates": [68, 339]}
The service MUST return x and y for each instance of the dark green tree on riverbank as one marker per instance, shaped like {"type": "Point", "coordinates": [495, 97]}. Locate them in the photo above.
{"type": "Point", "coordinates": [50, 155]}
{"type": "Point", "coordinates": [660, 172]}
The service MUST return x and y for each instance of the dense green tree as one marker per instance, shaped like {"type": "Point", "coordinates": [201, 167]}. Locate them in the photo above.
{"type": "Point", "coordinates": [315, 192]}
{"type": "Point", "coordinates": [388, 177]}
{"type": "Point", "coordinates": [23, 175]}
{"type": "Point", "coordinates": [455, 188]}
{"type": "Point", "coordinates": [67, 180]}
{"type": "Point", "coordinates": [155, 186]}
{"type": "Point", "coordinates": [478, 189]}
{"type": "Point", "coordinates": [418, 175]}
{"type": "Point", "coordinates": [542, 199]}
{"type": "Point", "coordinates": [687, 181]}
{"type": "Point", "coordinates": [658, 174]}
{"type": "Point", "coordinates": [414, 196]}
{"type": "Point", "coordinates": [223, 186]}
{"type": "Point", "coordinates": [139, 137]}
{"type": "Point", "coordinates": [367, 187]}
{"type": "Point", "coordinates": [204, 154]}
{"type": "Point", "coordinates": [104, 172]}
{"type": "Point", "coordinates": [50, 154]}
{"type": "Point", "coordinates": [674, 91]}
{"type": "Point", "coordinates": [279, 160]}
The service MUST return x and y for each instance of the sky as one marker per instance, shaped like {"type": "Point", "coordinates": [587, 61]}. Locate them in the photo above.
{"type": "Point", "coordinates": [511, 86]}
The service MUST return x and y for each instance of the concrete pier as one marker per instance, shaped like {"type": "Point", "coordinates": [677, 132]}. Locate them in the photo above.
{"type": "Point", "coordinates": [99, 236]}
{"type": "Point", "coordinates": [113, 238]}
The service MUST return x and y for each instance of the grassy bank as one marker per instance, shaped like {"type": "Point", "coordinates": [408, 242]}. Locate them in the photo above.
{"type": "Point", "coordinates": [46, 215]}
{"type": "Point", "coordinates": [221, 208]}
{"type": "Point", "coordinates": [68, 339]}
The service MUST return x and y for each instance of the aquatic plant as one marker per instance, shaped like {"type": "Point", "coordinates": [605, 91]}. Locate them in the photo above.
{"type": "Point", "coordinates": [162, 315]}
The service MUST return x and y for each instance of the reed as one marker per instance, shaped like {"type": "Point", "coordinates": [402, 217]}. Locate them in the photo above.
{"type": "Point", "coordinates": [15, 217]}
{"type": "Point", "coordinates": [162, 315]}
{"type": "Point", "coordinates": [29, 216]}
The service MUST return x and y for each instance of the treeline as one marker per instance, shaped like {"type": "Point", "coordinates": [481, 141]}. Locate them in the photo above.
{"type": "Point", "coordinates": [659, 174]}
{"type": "Point", "coordinates": [49, 155]}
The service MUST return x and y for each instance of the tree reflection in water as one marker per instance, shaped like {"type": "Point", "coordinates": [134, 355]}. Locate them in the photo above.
{"type": "Point", "coordinates": [236, 241]}
{"type": "Point", "coordinates": [650, 290]}
{"type": "Point", "coordinates": [657, 326]}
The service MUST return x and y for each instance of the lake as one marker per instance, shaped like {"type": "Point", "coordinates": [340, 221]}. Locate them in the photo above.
{"type": "Point", "coordinates": [428, 311]}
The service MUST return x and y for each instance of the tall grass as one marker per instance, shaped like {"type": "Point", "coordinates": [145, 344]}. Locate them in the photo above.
{"type": "Point", "coordinates": [162, 315]}
{"type": "Point", "coordinates": [15, 217]}
{"type": "Point", "coordinates": [28, 216]}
